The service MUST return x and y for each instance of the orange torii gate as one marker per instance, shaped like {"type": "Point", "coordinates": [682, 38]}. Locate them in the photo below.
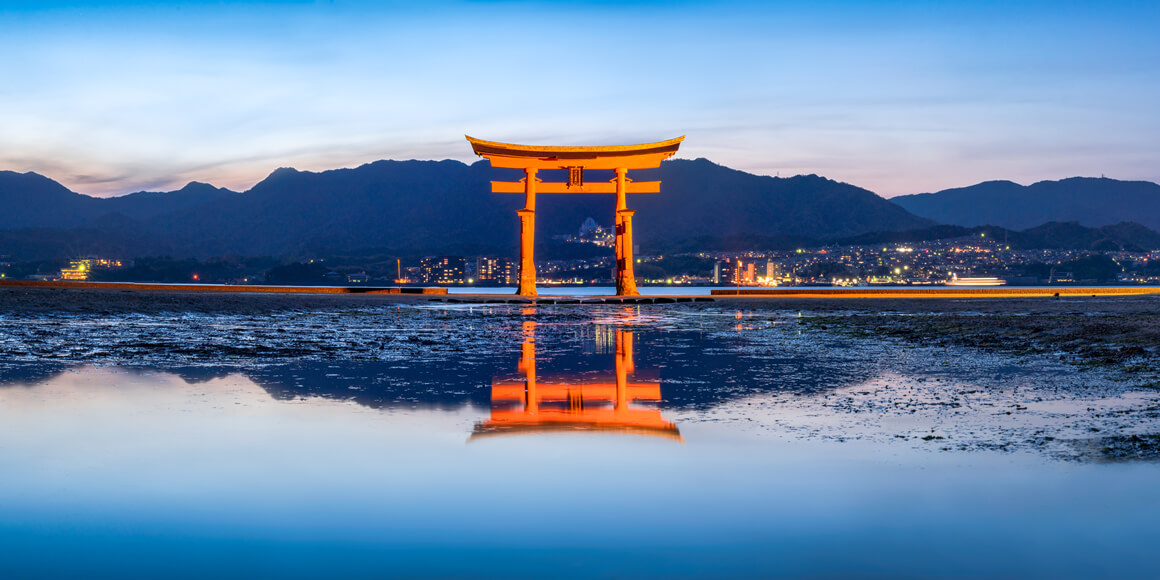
{"type": "Point", "coordinates": [619, 158]}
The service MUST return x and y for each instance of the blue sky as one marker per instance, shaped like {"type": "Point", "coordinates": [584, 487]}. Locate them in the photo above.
{"type": "Point", "coordinates": [898, 97]}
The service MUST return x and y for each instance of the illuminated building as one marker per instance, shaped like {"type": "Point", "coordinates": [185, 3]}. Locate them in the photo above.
{"type": "Point", "coordinates": [80, 270]}
{"type": "Point", "coordinates": [575, 160]}
{"type": "Point", "coordinates": [594, 233]}
{"type": "Point", "coordinates": [77, 270]}
{"type": "Point", "coordinates": [590, 228]}
{"type": "Point", "coordinates": [740, 272]}
{"type": "Point", "coordinates": [497, 270]}
{"type": "Point", "coordinates": [442, 270]}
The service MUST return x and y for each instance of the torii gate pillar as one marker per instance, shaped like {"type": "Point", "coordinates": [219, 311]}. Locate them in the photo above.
{"type": "Point", "coordinates": [618, 158]}
{"type": "Point", "coordinates": [528, 236]}
{"type": "Point", "coordinates": [625, 276]}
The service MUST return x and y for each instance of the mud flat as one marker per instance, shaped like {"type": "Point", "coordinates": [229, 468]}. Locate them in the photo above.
{"type": "Point", "coordinates": [1076, 378]}
{"type": "Point", "coordinates": [1118, 331]}
{"type": "Point", "coordinates": [1111, 330]}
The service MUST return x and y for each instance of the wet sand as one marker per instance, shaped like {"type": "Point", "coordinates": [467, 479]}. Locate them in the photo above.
{"type": "Point", "coordinates": [1091, 331]}
{"type": "Point", "coordinates": [1119, 330]}
{"type": "Point", "coordinates": [1099, 330]}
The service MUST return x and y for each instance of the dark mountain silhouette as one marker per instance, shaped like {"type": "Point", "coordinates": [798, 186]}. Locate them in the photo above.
{"type": "Point", "coordinates": [421, 207]}
{"type": "Point", "coordinates": [701, 198]}
{"type": "Point", "coordinates": [737, 243]}
{"type": "Point", "coordinates": [1087, 201]}
{"type": "Point", "coordinates": [1124, 236]}
{"type": "Point", "coordinates": [416, 206]}
{"type": "Point", "coordinates": [33, 244]}
{"type": "Point", "coordinates": [145, 205]}
{"type": "Point", "coordinates": [31, 200]}
{"type": "Point", "coordinates": [940, 232]}
{"type": "Point", "coordinates": [1070, 235]}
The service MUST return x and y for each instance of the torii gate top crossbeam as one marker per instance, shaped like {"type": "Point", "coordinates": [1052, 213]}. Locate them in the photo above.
{"type": "Point", "coordinates": [508, 155]}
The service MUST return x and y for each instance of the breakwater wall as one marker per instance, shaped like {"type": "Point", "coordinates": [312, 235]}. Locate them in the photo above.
{"type": "Point", "coordinates": [935, 292]}
{"type": "Point", "coordinates": [155, 287]}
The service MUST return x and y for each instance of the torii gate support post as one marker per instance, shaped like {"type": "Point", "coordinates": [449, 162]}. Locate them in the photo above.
{"type": "Point", "coordinates": [528, 235]}
{"type": "Point", "coordinates": [625, 277]}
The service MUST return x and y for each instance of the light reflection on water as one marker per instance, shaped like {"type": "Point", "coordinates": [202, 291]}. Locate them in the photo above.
{"type": "Point", "coordinates": [314, 469]}
{"type": "Point", "coordinates": [532, 403]}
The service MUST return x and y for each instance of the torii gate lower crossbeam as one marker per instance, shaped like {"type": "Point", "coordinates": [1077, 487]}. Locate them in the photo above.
{"type": "Point", "coordinates": [619, 158]}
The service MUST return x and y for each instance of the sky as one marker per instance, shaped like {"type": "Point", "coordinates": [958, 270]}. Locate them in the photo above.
{"type": "Point", "coordinates": [898, 97]}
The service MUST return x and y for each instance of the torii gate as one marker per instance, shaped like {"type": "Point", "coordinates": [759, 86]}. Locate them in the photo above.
{"type": "Point", "coordinates": [619, 158]}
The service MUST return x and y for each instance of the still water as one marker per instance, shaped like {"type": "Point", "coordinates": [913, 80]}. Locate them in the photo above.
{"type": "Point", "coordinates": [506, 442]}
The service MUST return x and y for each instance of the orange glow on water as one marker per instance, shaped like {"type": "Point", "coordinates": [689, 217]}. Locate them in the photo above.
{"type": "Point", "coordinates": [568, 403]}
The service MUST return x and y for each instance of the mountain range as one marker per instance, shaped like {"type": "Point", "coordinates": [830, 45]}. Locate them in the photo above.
{"type": "Point", "coordinates": [421, 207]}
{"type": "Point", "coordinates": [1091, 202]}
{"type": "Point", "coordinates": [430, 207]}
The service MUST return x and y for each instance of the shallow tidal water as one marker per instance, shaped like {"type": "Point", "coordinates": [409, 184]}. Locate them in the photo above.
{"type": "Point", "coordinates": [500, 441]}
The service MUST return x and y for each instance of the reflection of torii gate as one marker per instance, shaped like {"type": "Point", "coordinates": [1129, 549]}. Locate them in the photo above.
{"type": "Point", "coordinates": [552, 405]}
{"type": "Point", "coordinates": [619, 158]}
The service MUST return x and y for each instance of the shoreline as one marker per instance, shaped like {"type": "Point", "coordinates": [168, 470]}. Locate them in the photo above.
{"type": "Point", "coordinates": [116, 297]}
{"type": "Point", "coordinates": [219, 288]}
{"type": "Point", "coordinates": [747, 295]}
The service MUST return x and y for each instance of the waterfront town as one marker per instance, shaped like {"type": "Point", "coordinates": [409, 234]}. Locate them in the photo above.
{"type": "Point", "coordinates": [968, 260]}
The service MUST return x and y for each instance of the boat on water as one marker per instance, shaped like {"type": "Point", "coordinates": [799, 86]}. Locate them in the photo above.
{"type": "Point", "coordinates": [975, 281]}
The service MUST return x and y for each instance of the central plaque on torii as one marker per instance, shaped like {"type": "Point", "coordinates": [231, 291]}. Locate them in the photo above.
{"type": "Point", "coordinates": [618, 158]}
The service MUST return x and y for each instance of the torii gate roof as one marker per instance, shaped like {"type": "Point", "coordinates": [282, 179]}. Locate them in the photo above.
{"type": "Point", "coordinates": [642, 156]}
